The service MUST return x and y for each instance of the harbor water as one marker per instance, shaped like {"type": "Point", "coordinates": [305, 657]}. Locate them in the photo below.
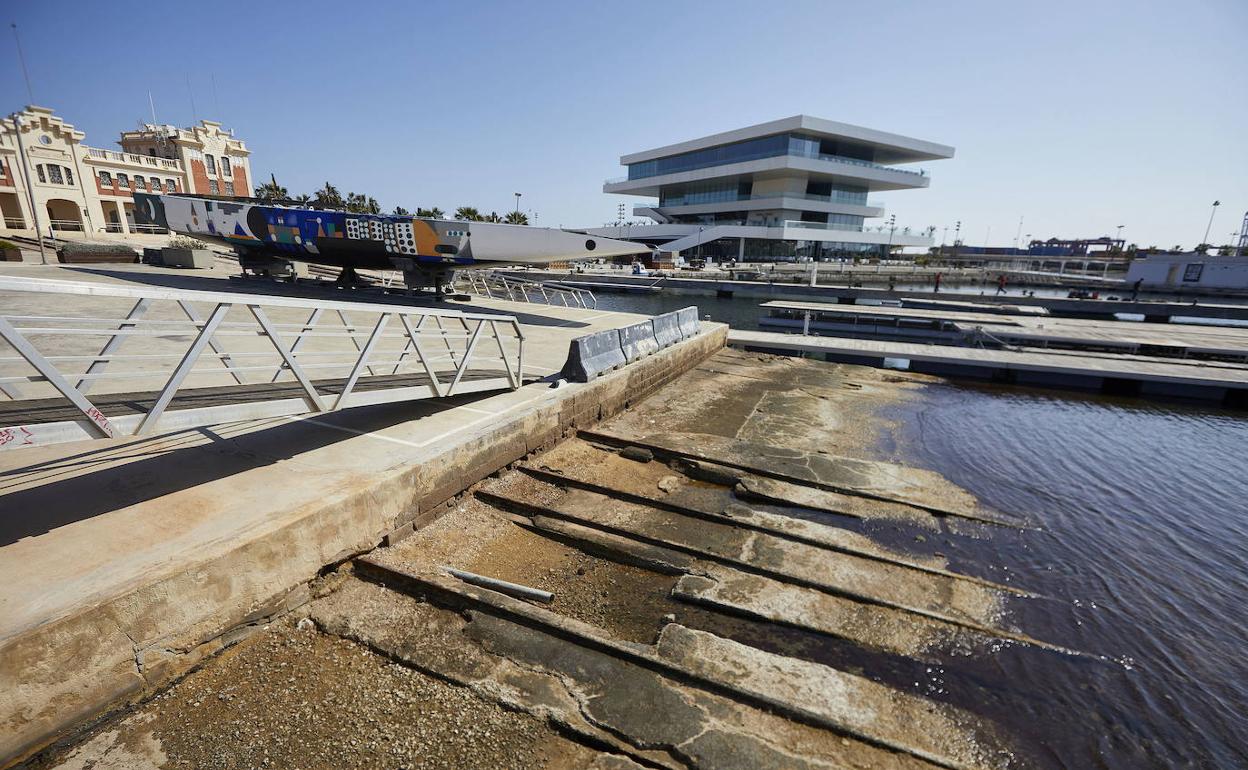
{"type": "Point", "coordinates": [1140, 552]}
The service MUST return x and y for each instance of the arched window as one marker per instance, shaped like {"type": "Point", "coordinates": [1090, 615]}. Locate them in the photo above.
{"type": "Point", "coordinates": [211, 162]}
{"type": "Point", "coordinates": [69, 176]}
{"type": "Point", "coordinates": [171, 186]}
{"type": "Point", "coordinates": [54, 175]}
{"type": "Point", "coordinates": [106, 179]}
{"type": "Point", "coordinates": [155, 184]}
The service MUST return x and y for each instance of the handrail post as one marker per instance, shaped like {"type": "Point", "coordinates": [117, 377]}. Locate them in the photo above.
{"type": "Point", "coordinates": [183, 369]}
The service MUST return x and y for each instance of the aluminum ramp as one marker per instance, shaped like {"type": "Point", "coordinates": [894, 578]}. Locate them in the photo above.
{"type": "Point", "coordinates": [164, 359]}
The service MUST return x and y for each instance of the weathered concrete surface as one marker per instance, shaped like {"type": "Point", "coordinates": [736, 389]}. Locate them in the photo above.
{"type": "Point", "coordinates": [640, 696]}
{"type": "Point", "coordinates": [676, 638]}
{"type": "Point", "coordinates": [894, 719]}
{"type": "Point", "coordinates": [883, 481]}
{"type": "Point", "coordinates": [124, 562]}
{"type": "Point", "coordinates": [877, 627]}
{"type": "Point", "coordinates": [604, 472]}
{"type": "Point", "coordinates": [261, 705]}
{"type": "Point", "coordinates": [932, 595]}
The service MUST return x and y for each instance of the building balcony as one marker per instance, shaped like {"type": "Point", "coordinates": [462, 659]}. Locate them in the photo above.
{"type": "Point", "coordinates": [828, 168]}
{"type": "Point", "coordinates": [130, 159]}
{"type": "Point", "coordinates": [843, 199]}
{"type": "Point", "coordinates": [684, 235]}
{"type": "Point", "coordinates": [793, 152]}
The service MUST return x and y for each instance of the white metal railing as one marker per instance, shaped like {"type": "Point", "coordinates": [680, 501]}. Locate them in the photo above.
{"type": "Point", "coordinates": [487, 283]}
{"type": "Point", "coordinates": [286, 356]}
{"type": "Point", "coordinates": [66, 224]}
{"type": "Point", "coordinates": [15, 223]}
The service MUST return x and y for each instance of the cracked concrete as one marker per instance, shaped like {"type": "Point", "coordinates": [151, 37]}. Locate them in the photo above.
{"type": "Point", "coordinates": [688, 625]}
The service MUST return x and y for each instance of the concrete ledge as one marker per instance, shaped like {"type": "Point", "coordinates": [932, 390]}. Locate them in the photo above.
{"type": "Point", "coordinates": [113, 649]}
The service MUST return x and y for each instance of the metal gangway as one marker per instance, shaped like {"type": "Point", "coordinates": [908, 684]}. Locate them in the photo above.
{"type": "Point", "coordinates": [495, 285]}
{"type": "Point", "coordinates": [83, 360]}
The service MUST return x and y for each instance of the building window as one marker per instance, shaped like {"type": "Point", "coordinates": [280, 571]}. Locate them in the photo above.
{"type": "Point", "coordinates": [39, 169]}
{"type": "Point", "coordinates": [69, 176]}
{"type": "Point", "coordinates": [155, 184]}
{"type": "Point", "coordinates": [225, 166]}
{"type": "Point", "coordinates": [106, 179]}
{"type": "Point", "coordinates": [171, 186]}
{"type": "Point", "coordinates": [139, 184]}
{"type": "Point", "coordinates": [55, 175]}
{"type": "Point", "coordinates": [123, 180]}
{"type": "Point", "coordinates": [213, 188]}
{"type": "Point", "coordinates": [229, 188]}
{"type": "Point", "coordinates": [211, 163]}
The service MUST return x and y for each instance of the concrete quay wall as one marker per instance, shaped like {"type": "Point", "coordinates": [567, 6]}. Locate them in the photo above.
{"type": "Point", "coordinates": [59, 674]}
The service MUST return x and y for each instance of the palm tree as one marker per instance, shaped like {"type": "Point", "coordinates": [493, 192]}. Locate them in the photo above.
{"type": "Point", "coordinates": [271, 190]}
{"type": "Point", "coordinates": [358, 203]}
{"type": "Point", "coordinates": [399, 211]}
{"type": "Point", "coordinates": [516, 218]}
{"type": "Point", "coordinates": [468, 214]}
{"type": "Point", "coordinates": [492, 217]}
{"type": "Point", "coordinates": [303, 199]}
{"type": "Point", "coordinates": [433, 213]}
{"type": "Point", "coordinates": [328, 197]}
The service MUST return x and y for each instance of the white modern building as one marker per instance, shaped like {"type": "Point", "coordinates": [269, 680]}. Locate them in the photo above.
{"type": "Point", "coordinates": [787, 189]}
{"type": "Point", "coordinates": [1191, 271]}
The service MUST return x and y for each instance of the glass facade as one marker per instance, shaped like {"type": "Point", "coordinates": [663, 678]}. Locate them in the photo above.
{"type": "Point", "coordinates": [765, 249]}
{"type": "Point", "coordinates": [728, 191]}
{"type": "Point", "coordinates": [704, 192]}
{"type": "Point", "coordinates": [799, 145]}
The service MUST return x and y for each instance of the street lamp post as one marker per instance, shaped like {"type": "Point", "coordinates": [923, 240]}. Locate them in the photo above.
{"type": "Point", "coordinates": [1213, 210]}
{"type": "Point", "coordinates": [30, 190]}
{"type": "Point", "coordinates": [892, 228]}
{"type": "Point", "coordinates": [517, 204]}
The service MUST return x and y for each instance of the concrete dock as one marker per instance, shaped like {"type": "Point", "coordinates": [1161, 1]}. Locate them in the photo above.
{"type": "Point", "coordinates": [951, 326]}
{"type": "Point", "coordinates": [124, 562]}
{"type": "Point", "coordinates": [1121, 374]}
{"type": "Point", "coordinates": [690, 624]}
{"type": "Point", "coordinates": [1152, 310]}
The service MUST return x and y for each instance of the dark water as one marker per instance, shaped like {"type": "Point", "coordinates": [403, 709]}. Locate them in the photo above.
{"type": "Point", "coordinates": [1141, 555]}
{"type": "Point", "coordinates": [1143, 558]}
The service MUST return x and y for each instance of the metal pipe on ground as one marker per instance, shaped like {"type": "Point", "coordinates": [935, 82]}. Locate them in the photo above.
{"type": "Point", "coordinates": [502, 586]}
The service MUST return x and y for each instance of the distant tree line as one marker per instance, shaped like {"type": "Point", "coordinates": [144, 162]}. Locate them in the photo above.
{"type": "Point", "coordinates": [328, 197]}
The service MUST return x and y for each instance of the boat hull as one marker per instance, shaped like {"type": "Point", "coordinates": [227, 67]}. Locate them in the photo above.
{"type": "Point", "coordinates": [366, 241]}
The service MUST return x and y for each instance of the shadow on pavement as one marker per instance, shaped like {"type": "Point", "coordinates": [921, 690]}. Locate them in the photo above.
{"type": "Point", "coordinates": [128, 478]}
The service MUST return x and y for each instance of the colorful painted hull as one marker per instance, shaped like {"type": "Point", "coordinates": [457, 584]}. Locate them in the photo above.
{"type": "Point", "coordinates": [367, 240]}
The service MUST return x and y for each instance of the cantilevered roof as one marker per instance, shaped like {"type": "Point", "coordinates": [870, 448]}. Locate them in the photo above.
{"type": "Point", "coordinates": [890, 148]}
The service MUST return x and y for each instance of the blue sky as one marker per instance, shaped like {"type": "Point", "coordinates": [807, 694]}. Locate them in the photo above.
{"type": "Point", "coordinates": [1078, 116]}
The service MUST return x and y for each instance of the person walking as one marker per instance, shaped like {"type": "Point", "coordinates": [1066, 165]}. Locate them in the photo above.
{"type": "Point", "coordinates": [1001, 283]}
{"type": "Point", "coordinates": [936, 290]}
{"type": "Point", "coordinates": [1135, 289]}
